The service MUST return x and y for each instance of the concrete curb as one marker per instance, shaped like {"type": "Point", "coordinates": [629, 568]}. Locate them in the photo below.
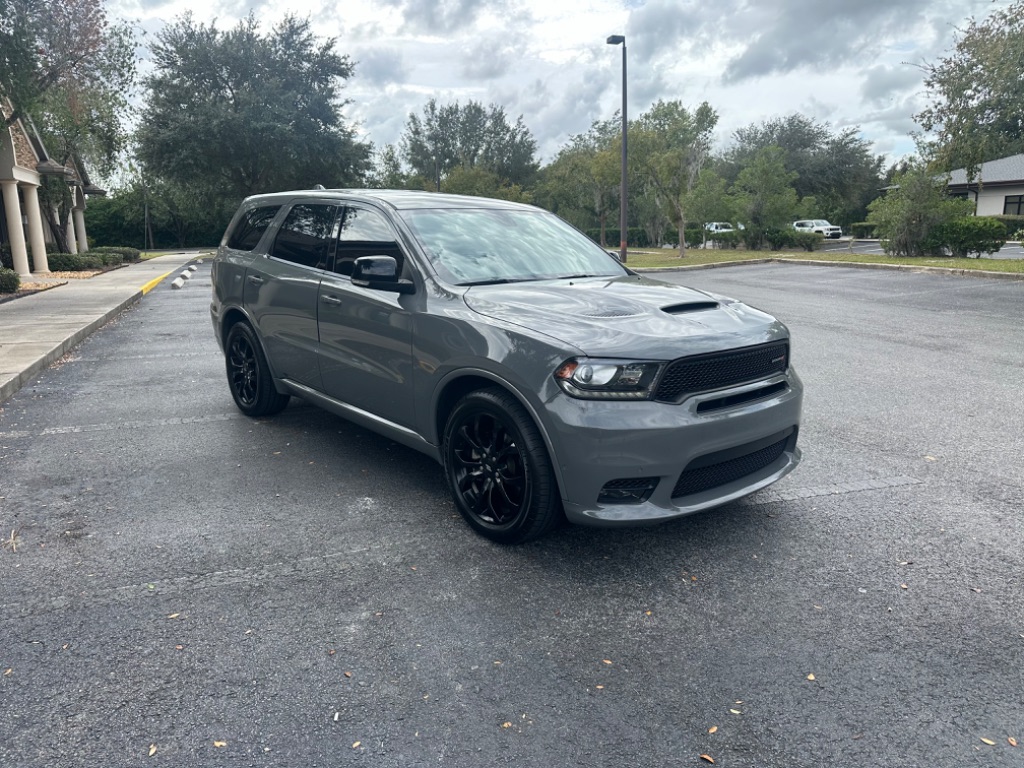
{"type": "Point", "coordinates": [855, 264]}
{"type": "Point", "coordinates": [9, 387]}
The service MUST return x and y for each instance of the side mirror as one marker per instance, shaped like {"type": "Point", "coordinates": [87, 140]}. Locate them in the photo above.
{"type": "Point", "coordinates": [379, 273]}
{"type": "Point", "coordinates": [614, 254]}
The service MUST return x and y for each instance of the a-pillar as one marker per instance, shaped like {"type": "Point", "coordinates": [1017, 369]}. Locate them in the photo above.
{"type": "Point", "coordinates": [15, 229]}
{"type": "Point", "coordinates": [35, 229]}
{"type": "Point", "coordinates": [79, 216]}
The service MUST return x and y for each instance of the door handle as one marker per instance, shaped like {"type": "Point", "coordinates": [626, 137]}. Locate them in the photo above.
{"type": "Point", "coordinates": [328, 299]}
{"type": "Point", "coordinates": [255, 280]}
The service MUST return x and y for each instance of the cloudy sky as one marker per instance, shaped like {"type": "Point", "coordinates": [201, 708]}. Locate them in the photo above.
{"type": "Point", "coordinates": [845, 62]}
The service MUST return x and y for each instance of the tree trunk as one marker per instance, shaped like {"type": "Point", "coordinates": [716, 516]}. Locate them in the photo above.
{"type": "Point", "coordinates": [604, 220]}
{"type": "Point", "coordinates": [682, 234]}
{"type": "Point", "coordinates": [59, 232]}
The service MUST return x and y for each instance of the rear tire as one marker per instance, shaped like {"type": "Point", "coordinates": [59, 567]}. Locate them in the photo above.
{"type": "Point", "coordinates": [249, 377]}
{"type": "Point", "coordinates": [498, 469]}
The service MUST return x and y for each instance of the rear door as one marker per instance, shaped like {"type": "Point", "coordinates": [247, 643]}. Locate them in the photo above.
{"type": "Point", "coordinates": [366, 335]}
{"type": "Point", "coordinates": [281, 290]}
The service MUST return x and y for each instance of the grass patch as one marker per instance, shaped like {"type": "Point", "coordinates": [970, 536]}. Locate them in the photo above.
{"type": "Point", "coordinates": [695, 256]}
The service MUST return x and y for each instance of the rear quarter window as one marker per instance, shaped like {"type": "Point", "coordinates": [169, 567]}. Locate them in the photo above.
{"type": "Point", "coordinates": [250, 227]}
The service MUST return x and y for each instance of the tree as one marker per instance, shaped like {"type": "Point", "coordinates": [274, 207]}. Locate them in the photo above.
{"type": "Point", "coordinates": [837, 169]}
{"type": "Point", "coordinates": [673, 144]}
{"type": "Point", "coordinates": [708, 200]}
{"type": "Point", "coordinates": [976, 94]}
{"type": "Point", "coordinates": [763, 196]}
{"type": "Point", "coordinates": [240, 113]}
{"type": "Point", "coordinates": [451, 136]}
{"type": "Point", "coordinates": [582, 182]}
{"type": "Point", "coordinates": [908, 217]}
{"type": "Point", "coordinates": [387, 171]}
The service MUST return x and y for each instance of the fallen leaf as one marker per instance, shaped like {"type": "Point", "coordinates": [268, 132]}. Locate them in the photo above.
{"type": "Point", "coordinates": [1011, 741]}
{"type": "Point", "coordinates": [988, 741]}
{"type": "Point", "coordinates": [735, 711]}
{"type": "Point", "coordinates": [599, 687]}
{"type": "Point", "coordinates": [8, 671]}
{"type": "Point", "coordinates": [607, 661]}
{"type": "Point", "coordinates": [178, 647]}
{"type": "Point", "coordinates": [174, 615]}
{"type": "Point", "coordinates": [356, 745]}
{"type": "Point", "coordinates": [219, 744]}
{"type": "Point", "coordinates": [904, 586]}
{"type": "Point", "coordinates": [738, 701]}
{"type": "Point", "coordinates": [348, 674]}
{"type": "Point", "coordinates": [810, 677]}
{"type": "Point", "coordinates": [693, 578]}
{"type": "Point", "coordinates": [330, 651]}
{"type": "Point", "coordinates": [647, 613]}
{"type": "Point", "coordinates": [929, 458]}
{"type": "Point", "coordinates": [506, 725]}
{"type": "Point", "coordinates": [152, 749]}
{"type": "Point", "coordinates": [713, 729]}
{"type": "Point", "coordinates": [709, 758]}
{"type": "Point", "coordinates": [975, 589]}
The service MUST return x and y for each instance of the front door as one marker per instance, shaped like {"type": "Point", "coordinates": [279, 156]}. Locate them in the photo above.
{"type": "Point", "coordinates": [366, 335]}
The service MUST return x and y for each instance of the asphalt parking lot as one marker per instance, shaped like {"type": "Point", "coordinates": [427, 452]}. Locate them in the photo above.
{"type": "Point", "coordinates": [182, 586]}
{"type": "Point", "coordinates": [849, 245]}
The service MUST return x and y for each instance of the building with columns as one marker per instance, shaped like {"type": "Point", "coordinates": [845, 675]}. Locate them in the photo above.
{"type": "Point", "coordinates": [24, 227]}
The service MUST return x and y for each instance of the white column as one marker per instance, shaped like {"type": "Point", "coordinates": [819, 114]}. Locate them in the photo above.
{"type": "Point", "coordinates": [69, 232]}
{"type": "Point", "coordinates": [15, 229]}
{"type": "Point", "coordinates": [78, 214]}
{"type": "Point", "coordinates": [35, 229]}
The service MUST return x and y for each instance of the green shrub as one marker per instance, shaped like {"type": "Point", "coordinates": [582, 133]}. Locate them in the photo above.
{"type": "Point", "coordinates": [6, 260]}
{"type": "Point", "coordinates": [73, 262]}
{"type": "Point", "coordinates": [1017, 236]}
{"type": "Point", "coordinates": [808, 241]}
{"type": "Point", "coordinates": [1013, 223]}
{"type": "Point", "coordinates": [862, 229]}
{"type": "Point", "coordinates": [727, 240]}
{"type": "Point", "coordinates": [971, 234]}
{"type": "Point", "coordinates": [779, 238]}
{"type": "Point", "coordinates": [9, 280]}
{"type": "Point", "coordinates": [126, 253]}
{"type": "Point", "coordinates": [694, 237]}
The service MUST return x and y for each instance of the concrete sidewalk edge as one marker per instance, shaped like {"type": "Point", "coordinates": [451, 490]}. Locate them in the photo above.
{"type": "Point", "coordinates": [11, 386]}
{"type": "Point", "coordinates": [855, 264]}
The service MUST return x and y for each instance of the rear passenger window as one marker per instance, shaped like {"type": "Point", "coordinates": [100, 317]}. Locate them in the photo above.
{"type": "Point", "coordinates": [365, 233]}
{"type": "Point", "coordinates": [306, 236]}
{"type": "Point", "coordinates": [250, 228]}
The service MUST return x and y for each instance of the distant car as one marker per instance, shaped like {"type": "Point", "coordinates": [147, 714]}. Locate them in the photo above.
{"type": "Point", "coordinates": [820, 226]}
{"type": "Point", "coordinates": [718, 226]}
{"type": "Point", "coordinates": [545, 377]}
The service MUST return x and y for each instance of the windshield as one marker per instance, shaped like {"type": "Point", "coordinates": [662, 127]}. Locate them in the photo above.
{"type": "Point", "coordinates": [479, 245]}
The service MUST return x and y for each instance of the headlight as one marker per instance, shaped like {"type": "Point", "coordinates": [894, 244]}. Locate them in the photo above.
{"type": "Point", "coordinates": [593, 379]}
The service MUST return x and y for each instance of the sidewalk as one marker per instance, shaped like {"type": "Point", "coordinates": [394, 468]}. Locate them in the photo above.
{"type": "Point", "coordinates": [36, 330]}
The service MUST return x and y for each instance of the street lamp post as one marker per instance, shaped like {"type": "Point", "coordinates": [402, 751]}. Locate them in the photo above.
{"type": "Point", "coordinates": [623, 204]}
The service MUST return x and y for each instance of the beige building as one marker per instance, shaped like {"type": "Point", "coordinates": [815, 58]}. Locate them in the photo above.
{"type": "Point", "coordinates": [24, 227]}
{"type": "Point", "coordinates": [997, 189]}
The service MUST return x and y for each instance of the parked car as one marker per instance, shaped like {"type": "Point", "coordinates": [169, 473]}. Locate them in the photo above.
{"type": "Point", "coordinates": [818, 225]}
{"type": "Point", "coordinates": [719, 226]}
{"type": "Point", "coordinates": [545, 377]}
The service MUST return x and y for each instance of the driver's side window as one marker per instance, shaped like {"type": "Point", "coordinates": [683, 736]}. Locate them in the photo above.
{"type": "Point", "coordinates": [365, 232]}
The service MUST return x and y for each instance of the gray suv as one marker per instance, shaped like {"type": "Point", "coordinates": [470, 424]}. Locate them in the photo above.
{"type": "Point", "coordinates": [548, 379]}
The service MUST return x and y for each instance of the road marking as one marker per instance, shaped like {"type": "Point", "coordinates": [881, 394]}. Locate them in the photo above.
{"type": "Point", "coordinates": [154, 282]}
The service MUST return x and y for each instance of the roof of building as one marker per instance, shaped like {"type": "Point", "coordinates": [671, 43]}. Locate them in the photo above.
{"type": "Point", "coordinates": [1006, 169]}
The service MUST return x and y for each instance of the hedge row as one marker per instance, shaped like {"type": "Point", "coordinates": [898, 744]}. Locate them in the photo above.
{"type": "Point", "coordinates": [95, 258]}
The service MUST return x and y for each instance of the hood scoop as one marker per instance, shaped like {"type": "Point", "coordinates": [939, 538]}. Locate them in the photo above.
{"type": "Point", "coordinates": [691, 306]}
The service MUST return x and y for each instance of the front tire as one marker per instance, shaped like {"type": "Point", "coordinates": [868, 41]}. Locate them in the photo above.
{"type": "Point", "coordinates": [249, 379]}
{"type": "Point", "coordinates": [498, 469]}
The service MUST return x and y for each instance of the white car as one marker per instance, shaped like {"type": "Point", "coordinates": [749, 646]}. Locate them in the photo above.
{"type": "Point", "coordinates": [718, 226]}
{"type": "Point", "coordinates": [818, 225]}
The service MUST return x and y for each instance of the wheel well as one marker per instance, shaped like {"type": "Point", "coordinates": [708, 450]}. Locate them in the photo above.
{"type": "Point", "coordinates": [452, 393]}
{"type": "Point", "coordinates": [231, 317]}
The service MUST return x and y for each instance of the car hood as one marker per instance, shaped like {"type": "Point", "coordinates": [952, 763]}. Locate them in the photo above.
{"type": "Point", "coordinates": [629, 316]}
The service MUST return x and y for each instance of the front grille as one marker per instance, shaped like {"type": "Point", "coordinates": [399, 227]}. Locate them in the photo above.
{"type": "Point", "coordinates": [701, 373]}
{"type": "Point", "coordinates": [703, 478]}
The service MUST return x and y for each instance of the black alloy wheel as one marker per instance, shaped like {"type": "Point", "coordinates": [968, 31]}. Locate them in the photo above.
{"type": "Point", "coordinates": [498, 468]}
{"type": "Point", "coordinates": [249, 377]}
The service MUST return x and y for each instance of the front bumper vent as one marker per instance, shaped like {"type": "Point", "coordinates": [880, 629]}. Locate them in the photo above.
{"type": "Point", "coordinates": [717, 469]}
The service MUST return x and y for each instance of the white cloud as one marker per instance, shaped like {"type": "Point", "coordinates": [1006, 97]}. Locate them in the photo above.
{"type": "Point", "coordinates": [848, 62]}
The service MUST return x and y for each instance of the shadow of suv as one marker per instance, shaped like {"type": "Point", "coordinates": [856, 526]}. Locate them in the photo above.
{"type": "Point", "coordinates": [547, 378]}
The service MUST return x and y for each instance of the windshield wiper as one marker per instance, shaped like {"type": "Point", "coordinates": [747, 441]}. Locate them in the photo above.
{"type": "Point", "coordinates": [496, 281]}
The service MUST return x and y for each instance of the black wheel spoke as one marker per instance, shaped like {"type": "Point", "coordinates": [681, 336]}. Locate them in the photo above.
{"type": "Point", "coordinates": [489, 473]}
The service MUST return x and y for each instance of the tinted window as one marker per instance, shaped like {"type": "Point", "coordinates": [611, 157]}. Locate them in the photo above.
{"type": "Point", "coordinates": [305, 236]}
{"type": "Point", "coordinates": [364, 233]}
{"type": "Point", "coordinates": [251, 226]}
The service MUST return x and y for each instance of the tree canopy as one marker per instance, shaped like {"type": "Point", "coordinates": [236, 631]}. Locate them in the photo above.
{"type": "Point", "coordinates": [976, 94]}
{"type": "Point", "coordinates": [452, 136]}
{"type": "Point", "coordinates": [242, 112]}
